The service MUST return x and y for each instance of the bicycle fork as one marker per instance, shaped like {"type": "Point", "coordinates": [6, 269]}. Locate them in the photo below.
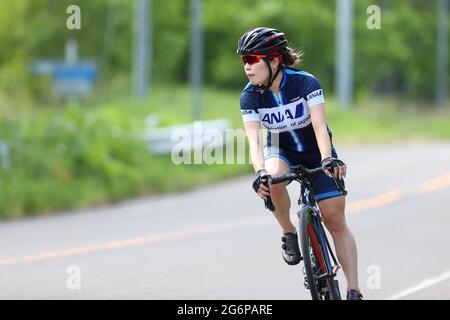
{"type": "Point", "coordinates": [331, 271]}
{"type": "Point", "coordinates": [328, 271]}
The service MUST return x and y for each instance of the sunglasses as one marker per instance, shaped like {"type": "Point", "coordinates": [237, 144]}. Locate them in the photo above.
{"type": "Point", "coordinates": [252, 58]}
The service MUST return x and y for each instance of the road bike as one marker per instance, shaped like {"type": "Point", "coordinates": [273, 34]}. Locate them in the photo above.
{"type": "Point", "coordinates": [319, 269]}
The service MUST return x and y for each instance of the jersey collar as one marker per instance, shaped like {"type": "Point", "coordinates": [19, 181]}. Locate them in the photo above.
{"type": "Point", "coordinates": [283, 79]}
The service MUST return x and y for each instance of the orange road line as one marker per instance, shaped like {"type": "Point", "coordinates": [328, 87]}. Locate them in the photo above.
{"type": "Point", "coordinates": [376, 201]}
{"type": "Point", "coordinates": [353, 207]}
{"type": "Point", "coordinates": [434, 184]}
{"type": "Point", "coordinates": [369, 203]}
{"type": "Point", "coordinates": [157, 238]}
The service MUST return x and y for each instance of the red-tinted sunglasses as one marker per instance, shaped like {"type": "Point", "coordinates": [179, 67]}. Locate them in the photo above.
{"type": "Point", "coordinates": [252, 58]}
{"type": "Point", "coordinates": [255, 58]}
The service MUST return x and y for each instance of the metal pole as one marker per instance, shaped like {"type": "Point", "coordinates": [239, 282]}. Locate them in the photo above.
{"type": "Point", "coordinates": [442, 53]}
{"type": "Point", "coordinates": [71, 52]}
{"type": "Point", "coordinates": [4, 155]}
{"type": "Point", "coordinates": [150, 46]}
{"type": "Point", "coordinates": [141, 49]}
{"type": "Point", "coordinates": [196, 58]}
{"type": "Point", "coordinates": [71, 58]}
{"type": "Point", "coordinates": [344, 52]}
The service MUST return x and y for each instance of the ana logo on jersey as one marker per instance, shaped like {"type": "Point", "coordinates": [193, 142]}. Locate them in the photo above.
{"type": "Point", "coordinates": [286, 117]}
{"type": "Point", "coordinates": [280, 116]}
{"type": "Point", "coordinates": [314, 94]}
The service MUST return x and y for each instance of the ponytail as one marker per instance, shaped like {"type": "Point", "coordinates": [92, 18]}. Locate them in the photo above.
{"type": "Point", "coordinates": [292, 57]}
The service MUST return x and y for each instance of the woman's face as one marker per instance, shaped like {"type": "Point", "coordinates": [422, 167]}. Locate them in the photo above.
{"type": "Point", "coordinates": [258, 73]}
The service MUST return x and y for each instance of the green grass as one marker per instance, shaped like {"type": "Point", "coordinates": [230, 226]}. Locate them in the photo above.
{"type": "Point", "coordinates": [387, 121]}
{"type": "Point", "coordinates": [75, 156]}
{"type": "Point", "coordinates": [80, 156]}
{"type": "Point", "coordinates": [378, 121]}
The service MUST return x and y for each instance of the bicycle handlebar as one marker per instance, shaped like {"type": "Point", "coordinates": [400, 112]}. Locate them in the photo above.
{"type": "Point", "coordinates": [302, 174]}
{"type": "Point", "coordinates": [299, 172]}
{"type": "Point", "coordinates": [286, 177]}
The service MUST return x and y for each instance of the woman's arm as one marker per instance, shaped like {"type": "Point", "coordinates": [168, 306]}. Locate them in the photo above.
{"type": "Point", "coordinates": [323, 139]}
{"type": "Point", "coordinates": [255, 140]}
{"type": "Point", "coordinates": [320, 129]}
{"type": "Point", "coordinates": [254, 136]}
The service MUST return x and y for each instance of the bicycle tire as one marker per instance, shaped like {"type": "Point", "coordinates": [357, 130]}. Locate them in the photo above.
{"type": "Point", "coordinates": [334, 289]}
{"type": "Point", "coordinates": [306, 223]}
{"type": "Point", "coordinates": [312, 249]}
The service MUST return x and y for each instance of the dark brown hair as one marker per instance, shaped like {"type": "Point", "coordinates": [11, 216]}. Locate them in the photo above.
{"type": "Point", "coordinates": [292, 57]}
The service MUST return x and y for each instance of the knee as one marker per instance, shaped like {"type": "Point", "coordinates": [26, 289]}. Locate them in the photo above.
{"type": "Point", "coordinates": [335, 221]}
{"type": "Point", "coordinates": [277, 167]}
{"type": "Point", "coordinates": [280, 198]}
{"type": "Point", "coordinates": [277, 191]}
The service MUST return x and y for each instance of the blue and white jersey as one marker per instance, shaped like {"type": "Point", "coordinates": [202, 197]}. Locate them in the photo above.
{"type": "Point", "coordinates": [287, 117]}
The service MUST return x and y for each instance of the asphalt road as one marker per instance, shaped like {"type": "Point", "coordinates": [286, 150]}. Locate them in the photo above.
{"type": "Point", "coordinates": [217, 242]}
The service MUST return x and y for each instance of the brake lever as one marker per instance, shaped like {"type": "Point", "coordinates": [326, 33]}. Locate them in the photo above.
{"type": "Point", "coordinates": [268, 202]}
{"type": "Point", "coordinates": [339, 185]}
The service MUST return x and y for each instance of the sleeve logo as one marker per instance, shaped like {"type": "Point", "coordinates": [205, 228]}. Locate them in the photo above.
{"type": "Point", "coordinates": [314, 94]}
{"type": "Point", "coordinates": [244, 112]}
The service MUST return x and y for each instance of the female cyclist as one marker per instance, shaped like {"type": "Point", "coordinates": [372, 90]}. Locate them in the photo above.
{"type": "Point", "coordinates": [290, 105]}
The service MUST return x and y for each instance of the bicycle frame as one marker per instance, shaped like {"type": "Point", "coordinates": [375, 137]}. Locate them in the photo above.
{"type": "Point", "coordinates": [307, 199]}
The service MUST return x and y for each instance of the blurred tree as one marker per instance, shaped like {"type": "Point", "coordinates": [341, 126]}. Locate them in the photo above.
{"type": "Point", "coordinates": [398, 59]}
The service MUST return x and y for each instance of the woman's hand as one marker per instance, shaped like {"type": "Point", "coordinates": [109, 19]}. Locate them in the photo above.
{"type": "Point", "coordinates": [261, 184]}
{"type": "Point", "coordinates": [335, 166]}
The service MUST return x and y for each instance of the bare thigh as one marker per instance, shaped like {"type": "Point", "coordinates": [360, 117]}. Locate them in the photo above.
{"type": "Point", "coordinates": [333, 213]}
{"type": "Point", "coordinates": [277, 167]}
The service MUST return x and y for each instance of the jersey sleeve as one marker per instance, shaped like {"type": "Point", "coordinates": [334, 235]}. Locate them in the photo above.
{"type": "Point", "coordinates": [314, 92]}
{"type": "Point", "coordinates": [248, 109]}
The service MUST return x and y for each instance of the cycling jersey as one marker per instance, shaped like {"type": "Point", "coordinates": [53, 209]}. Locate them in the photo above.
{"type": "Point", "coordinates": [286, 117]}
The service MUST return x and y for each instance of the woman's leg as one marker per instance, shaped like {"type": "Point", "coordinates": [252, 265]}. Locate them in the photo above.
{"type": "Point", "coordinates": [279, 194]}
{"type": "Point", "coordinates": [333, 214]}
{"type": "Point", "coordinates": [280, 198]}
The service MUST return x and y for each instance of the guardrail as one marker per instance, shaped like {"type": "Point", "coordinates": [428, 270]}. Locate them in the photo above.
{"type": "Point", "coordinates": [191, 136]}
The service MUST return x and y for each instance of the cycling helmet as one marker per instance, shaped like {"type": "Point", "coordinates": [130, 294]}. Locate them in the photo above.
{"type": "Point", "coordinates": [262, 41]}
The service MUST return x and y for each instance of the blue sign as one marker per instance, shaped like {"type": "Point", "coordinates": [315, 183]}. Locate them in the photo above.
{"type": "Point", "coordinates": [85, 72]}
{"type": "Point", "coordinates": [69, 80]}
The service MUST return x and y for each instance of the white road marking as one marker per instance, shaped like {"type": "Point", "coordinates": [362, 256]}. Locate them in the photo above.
{"type": "Point", "coordinates": [423, 285]}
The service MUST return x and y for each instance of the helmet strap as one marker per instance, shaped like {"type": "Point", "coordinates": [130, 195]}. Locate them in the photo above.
{"type": "Point", "coordinates": [263, 88]}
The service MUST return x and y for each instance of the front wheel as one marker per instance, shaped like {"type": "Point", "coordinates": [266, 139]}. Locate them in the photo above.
{"type": "Point", "coordinates": [314, 260]}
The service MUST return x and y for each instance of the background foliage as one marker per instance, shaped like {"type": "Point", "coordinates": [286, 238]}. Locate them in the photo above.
{"type": "Point", "coordinates": [65, 155]}
{"type": "Point", "coordinates": [398, 60]}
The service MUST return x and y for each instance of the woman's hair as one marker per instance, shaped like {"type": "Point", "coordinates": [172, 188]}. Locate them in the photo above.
{"type": "Point", "coordinates": [292, 57]}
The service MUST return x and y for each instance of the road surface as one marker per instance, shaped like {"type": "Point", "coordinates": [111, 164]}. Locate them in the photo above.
{"type": "Point", "coordinates": [217, 242]}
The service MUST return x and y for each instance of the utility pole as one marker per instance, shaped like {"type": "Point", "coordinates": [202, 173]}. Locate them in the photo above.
{"type": "Point", "coordinates": [442, 53]}
{"type": "Point", "coordinates": [196, 58]}
{"type": "Point", "coordinates": [344, 52]}
{"type": "Point", "coordinates": [142, 50]}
